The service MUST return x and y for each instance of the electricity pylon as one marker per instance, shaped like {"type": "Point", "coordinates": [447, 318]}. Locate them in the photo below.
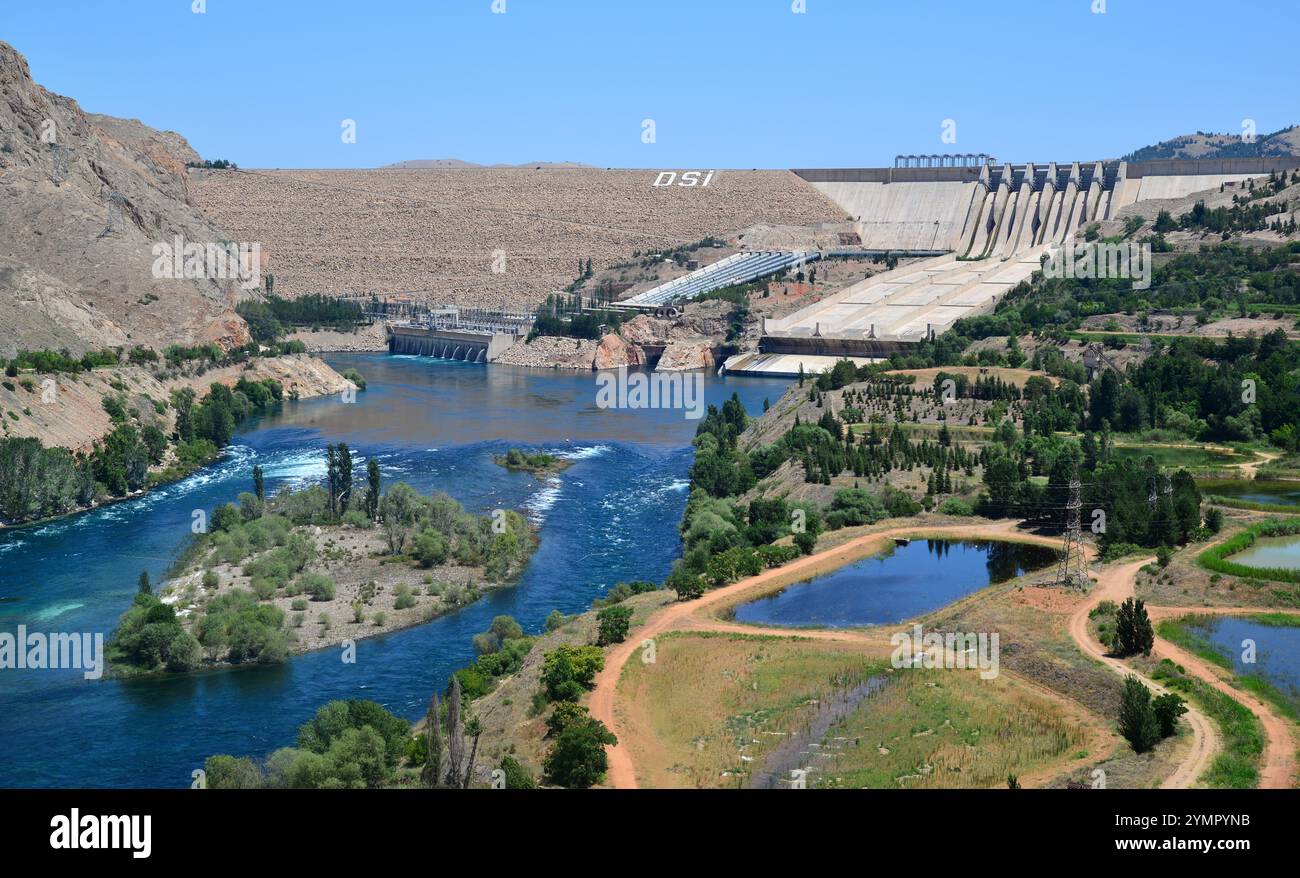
{"type": "Point", "coordinates": [1073, 570]}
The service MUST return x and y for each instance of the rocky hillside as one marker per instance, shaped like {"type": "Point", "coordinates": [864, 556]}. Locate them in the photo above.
{"type": "Point", "coordinates": [85, 198]}
{"type": "Point", "coordinates": [1203, 145]}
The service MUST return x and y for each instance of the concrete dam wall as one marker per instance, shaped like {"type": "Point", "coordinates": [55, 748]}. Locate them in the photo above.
{"type": "Point", "coordinates": [993, 210]}
{"type": "Point", "coordinates": [448, 344]}
{"type": "Point", "coordinates": [995, 222]}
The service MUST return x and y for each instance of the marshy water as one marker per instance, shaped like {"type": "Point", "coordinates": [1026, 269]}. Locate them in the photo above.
{"type": "Point", "coordinates": [1271, 553]}
{"type": "Point", "coordinates": [901, 583]}
{"type": "Point", "coordinates": [1278, 493]}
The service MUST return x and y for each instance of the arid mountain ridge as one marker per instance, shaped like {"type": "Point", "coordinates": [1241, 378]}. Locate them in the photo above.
{"type": "Point", "coordinates": [85, 198]}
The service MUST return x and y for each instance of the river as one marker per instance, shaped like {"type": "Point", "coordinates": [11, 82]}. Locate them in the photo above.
{"type": "Point", "coordinates": [610, 517]}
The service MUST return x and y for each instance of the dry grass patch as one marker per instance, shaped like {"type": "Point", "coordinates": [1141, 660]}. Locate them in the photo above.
{"type": "Point", "coordinates": [712, 706]}
{"type": "Point", "coordinates": [936, 729]}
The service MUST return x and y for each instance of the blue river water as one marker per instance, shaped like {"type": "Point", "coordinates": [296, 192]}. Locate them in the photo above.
{"type": "Point", "coordinates": [898, 584]}
{"type": "Point", "coordinates": [610, 517]}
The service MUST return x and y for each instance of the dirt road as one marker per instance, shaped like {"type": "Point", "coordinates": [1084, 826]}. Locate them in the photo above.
{"type": "Point", "coordinates": [690, 614]}
{"type": "Point", "coordinates": [1116, 584]}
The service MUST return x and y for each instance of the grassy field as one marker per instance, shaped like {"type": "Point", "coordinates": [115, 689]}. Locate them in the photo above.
{"type": "Point", "coordinates": [930, 729]}
{"type": "Point", "coordinates": [1018, 377]}
{"type": "Point", "coordinates": [1190, 458]}
{"type": "Point", "coordinates": [732, 710]}
{"type": "Point", "coordinates": [715, 705]}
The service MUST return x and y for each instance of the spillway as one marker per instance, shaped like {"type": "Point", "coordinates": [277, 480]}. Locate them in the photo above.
{"type": "Point", "coordinates": [995, 221]}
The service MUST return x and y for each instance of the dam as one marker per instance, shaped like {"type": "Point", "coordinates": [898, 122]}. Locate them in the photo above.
{"type": "Point", "coordinates": [993, 224]}
{"type": "Point", "coordinates": [449, 334]}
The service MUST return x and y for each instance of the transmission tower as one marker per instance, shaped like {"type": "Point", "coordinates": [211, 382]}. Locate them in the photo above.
{"type": "Point", "coordinates": [1073, 571]}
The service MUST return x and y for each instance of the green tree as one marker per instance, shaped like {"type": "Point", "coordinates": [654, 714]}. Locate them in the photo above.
{"type": "Point", "coordinates": [1168, 708]}
{"type": "Point", "coordinates": [577, 758]}
{"type": "Point", "coordinates": [1137, 717]}
{"type": "Point", "coordinates": [1133, 630]}
{"type": "Point", "coordinates": [614, 622]}
{"type": "Point", "coordinates": [568, 671]}
{"type": "Point", "coordinates": [516, 777]}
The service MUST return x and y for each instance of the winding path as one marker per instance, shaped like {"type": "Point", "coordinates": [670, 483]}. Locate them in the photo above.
{"type": "Point", "coordinates": [1278, 766]}
{"type": "Point", "coordinates": [1116, 584]}
{"type": "Point", "coordinates": [689, 615]}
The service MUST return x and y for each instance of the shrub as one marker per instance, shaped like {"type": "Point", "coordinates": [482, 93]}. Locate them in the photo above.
{"type": "Point", "coordinates": [1168, 708]}
{"type": "Point", "coordinates": [577, 758]}
{"type": "Point", "coordinates": [318, 585]}
{"type": "Point", "coordinates": [687, 585]}
{"type": "Point", "coordinates": [568, 671]}
{"type": "Point", "coordinates": [806, 542]}
{"type": "Point", "coordinates": [502, 630]}
{"type": "Point", "coordinates": [953, 506]}
{"type": "Point", "coordinates": [405, 599]}
{"type": "Point", "coordinates": [614, 622]}
{"type": "Point", "coordinates": [516, 777]}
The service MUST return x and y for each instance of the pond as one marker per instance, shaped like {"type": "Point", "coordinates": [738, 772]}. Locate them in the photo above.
{"type": "Point", "coordinates": [903, 582]}
{"type": "Point", "coordinates": [1255, 491]}
{"type": "Point", "coordinates": [1276, 647]}
{"type": "Point", "coordinates": [1271, 553]}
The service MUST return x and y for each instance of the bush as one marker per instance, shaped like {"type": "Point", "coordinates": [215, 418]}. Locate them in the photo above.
{"type": "Point", "coordinates": [405, 599]}
{"type": "Point", "coordinates": [953, 506]}
{"type": "Point", "coordinates": [806, 542]}
{"type": "Point", "coordinates": [319, 586]}
{"type": "Point", "coordinates": [1214, 519]}
{"type": "Point", "coordinates": [568, 671]}
{"type": "Point", "coordinates": [577, 758]}
{"type": "Point", "coordinates": [688, 585]}
{"type": "Point", "coordinates": [502, 630]}
{"type": "Point", "coordinates": [430, 548]}
{"type": "Point", "coordinates": [516, 777]}
{"type": "Point", "coordinates": [1168, 708]}
{"type": "Point", "coordinates": [614, 623]}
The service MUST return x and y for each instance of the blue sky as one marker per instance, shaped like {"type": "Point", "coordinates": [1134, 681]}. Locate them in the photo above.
{"type": "Point", "coordinates": [729, 83]}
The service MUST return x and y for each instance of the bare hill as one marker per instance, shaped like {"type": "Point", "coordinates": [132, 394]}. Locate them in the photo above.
{"type": "Point", "coordinates": [1204, 145]}
{"type": "Point", "coordinates": [381, 231]}
{"type": "Point", "coordinates": [457, 164]}
{"type": "Point", "coordinates": [84, 199]}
